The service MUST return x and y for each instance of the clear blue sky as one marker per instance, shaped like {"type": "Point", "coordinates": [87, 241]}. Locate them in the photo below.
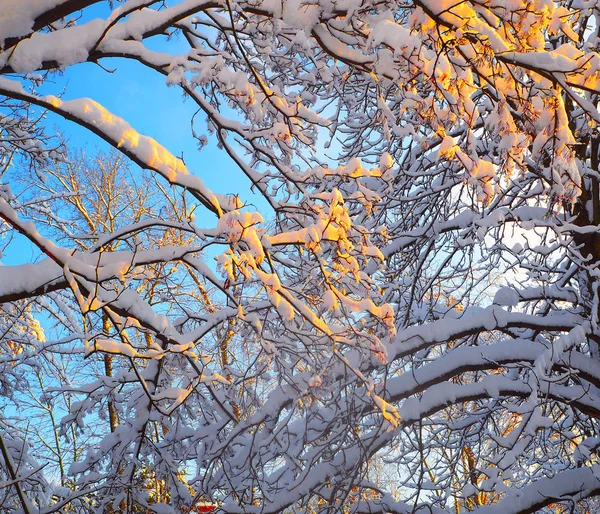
{"type": "Point", "coordinates": [141, 96]}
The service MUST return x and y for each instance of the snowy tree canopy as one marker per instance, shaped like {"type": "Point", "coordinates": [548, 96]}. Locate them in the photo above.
{"type": "Point", "coordinates": [411, 326]}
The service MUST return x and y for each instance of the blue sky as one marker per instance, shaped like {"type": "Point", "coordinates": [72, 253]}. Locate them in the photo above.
{"type": "Point", "coordinates": [140, 96]}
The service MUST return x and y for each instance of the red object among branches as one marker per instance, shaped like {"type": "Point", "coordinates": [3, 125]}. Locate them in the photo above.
{"type": "Point", "coordinates": [206, 508]}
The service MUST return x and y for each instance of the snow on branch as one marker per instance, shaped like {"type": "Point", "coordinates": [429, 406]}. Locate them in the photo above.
{"type": "Point", "coordinates": [407, 320]}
